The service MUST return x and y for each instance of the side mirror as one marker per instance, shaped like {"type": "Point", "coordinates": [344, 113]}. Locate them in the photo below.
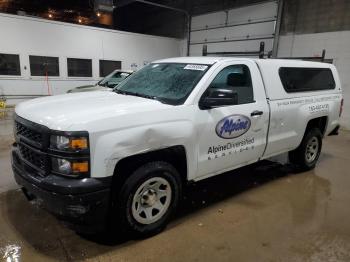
{"type": "Point", "coordinates": [218, 97]}
{"type": "Point", "coordinates": [110, 85]}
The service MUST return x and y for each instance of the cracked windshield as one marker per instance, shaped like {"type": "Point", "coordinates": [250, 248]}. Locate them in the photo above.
{"type": "Point", "coordinates": [169, 83]}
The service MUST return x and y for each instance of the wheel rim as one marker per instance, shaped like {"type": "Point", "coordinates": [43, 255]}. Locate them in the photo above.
{"type": "Point", "coordinates": [312, 149]}
{"type": "Point", "coordinates": [151, 200]}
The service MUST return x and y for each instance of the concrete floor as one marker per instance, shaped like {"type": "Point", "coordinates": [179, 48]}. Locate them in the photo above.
{"type": "Point", "coordinates": [263, 212]}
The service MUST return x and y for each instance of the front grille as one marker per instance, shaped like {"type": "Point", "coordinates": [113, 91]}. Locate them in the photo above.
{"type": "Point", "coordinates": [34, 158]}
{"type": "Point", "coordinates": [28, 133]}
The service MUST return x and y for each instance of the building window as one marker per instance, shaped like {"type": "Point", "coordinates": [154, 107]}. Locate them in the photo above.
{"type": "Point", "coordinates": [296, 79]}
{"type": "Point", "coordinates": [108, 66]}
{"type": "Point", "coordinates": [79, 67]}
{"type": "Point", "coordinates": [9, 65]}
{"type": "Point", "coordinates": [44, 66]}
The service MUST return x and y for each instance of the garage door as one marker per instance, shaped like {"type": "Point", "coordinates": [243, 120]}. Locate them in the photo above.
{"type": "Point", "coordinates": [234, 30]}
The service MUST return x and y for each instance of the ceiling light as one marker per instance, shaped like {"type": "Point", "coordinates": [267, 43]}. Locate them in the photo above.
{"type": "Point", "coordinates": [98, 14]}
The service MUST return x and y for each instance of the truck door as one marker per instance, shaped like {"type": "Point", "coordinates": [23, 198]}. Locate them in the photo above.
{"type": "Point", "coordinates": [232, 135]}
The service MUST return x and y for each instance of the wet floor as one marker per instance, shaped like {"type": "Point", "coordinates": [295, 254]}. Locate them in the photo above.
{"type": "Point", "coordinates": [263, 212]}
{"type": "Point", "coordinates": [6, 139]}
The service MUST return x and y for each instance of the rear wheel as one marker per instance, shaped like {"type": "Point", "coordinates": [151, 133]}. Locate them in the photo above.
{"type": "Point", "coordinates": [306, 155]}
{"type": "Point", "coordinates": [148, 198]}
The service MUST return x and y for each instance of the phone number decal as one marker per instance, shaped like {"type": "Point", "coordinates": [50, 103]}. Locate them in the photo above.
{"type": "Point", "coordinates": [318, 108]}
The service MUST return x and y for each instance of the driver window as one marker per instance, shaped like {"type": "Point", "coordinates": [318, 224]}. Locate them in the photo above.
{"type": "Point", "coordinates": [236, 78]}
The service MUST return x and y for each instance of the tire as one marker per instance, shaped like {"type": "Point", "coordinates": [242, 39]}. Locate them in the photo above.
{"type": "Point", "coordinates": [306, 155]}
{"type": "Point", "coordinates": [148, 199]}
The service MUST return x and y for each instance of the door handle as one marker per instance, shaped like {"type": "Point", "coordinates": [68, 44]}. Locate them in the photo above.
{"type": "Point", "coordinates": [257, 113]}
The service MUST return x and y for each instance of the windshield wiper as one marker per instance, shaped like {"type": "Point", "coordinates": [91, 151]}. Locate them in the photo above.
{"type": "Point", "coordinates": [123, 92]}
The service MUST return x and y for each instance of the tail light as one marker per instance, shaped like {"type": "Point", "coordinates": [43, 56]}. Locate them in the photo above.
{"type": "Point", "coordinates": [341, 107]}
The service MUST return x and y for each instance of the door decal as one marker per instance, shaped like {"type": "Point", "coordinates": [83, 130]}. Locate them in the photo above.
{"type": "Point", "coordinates": [232, 126]}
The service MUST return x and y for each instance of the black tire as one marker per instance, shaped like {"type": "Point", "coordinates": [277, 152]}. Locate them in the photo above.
{"type": "Point", "coordinates": [124, 200]}
{"type": "Point", "coordinates": [301, 157]}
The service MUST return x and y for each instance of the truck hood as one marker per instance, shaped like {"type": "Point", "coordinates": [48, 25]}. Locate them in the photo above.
{"type": "Point", "coordinates": [70, 112]}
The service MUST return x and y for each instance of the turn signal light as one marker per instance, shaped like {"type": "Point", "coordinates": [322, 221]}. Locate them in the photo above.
{"type": "Point", "coordinates": [78, 143]}
{"type": "Point", "coordinates": [80, 167]}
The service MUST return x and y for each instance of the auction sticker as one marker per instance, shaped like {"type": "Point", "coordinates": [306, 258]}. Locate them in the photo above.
{"type": "Point", "coordinates": [196, 67]}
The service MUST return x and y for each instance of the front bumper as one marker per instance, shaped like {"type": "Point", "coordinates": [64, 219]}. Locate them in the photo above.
{"type": "Point", "coordinates": [82, 203]}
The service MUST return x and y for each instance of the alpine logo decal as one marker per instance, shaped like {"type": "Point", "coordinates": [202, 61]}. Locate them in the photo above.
{"type": "Point", "coordinates": [232, 126]}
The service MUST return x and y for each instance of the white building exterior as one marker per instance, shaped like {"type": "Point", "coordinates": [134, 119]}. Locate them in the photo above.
{"type": "Point", "coordinates": [27, 36]}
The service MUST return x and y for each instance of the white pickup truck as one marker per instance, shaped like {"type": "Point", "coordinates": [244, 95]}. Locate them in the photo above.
{"type": "Point", "coordinates": [122, 157]}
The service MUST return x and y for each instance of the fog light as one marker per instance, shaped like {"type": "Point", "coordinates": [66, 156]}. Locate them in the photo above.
{"type": "Point", "coordinates": [80, 210]}
{"type": "Point", "coordinates": [80, 167]}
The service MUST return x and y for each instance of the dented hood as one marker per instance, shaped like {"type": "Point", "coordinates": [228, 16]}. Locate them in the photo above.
{"type": "Point", "coordinates": [64, 112]}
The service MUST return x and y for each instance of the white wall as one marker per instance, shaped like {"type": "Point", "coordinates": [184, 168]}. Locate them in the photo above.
{"type": "Point", "coordinates": [31, 36]}
{"type": "Point", "coordinates": [264, 13]}
{"type": "Point", "coordinates": [337, 45]}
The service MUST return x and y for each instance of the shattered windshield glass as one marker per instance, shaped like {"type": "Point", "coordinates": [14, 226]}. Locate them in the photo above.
{"type": "Point", "coordinates": [169, 83]}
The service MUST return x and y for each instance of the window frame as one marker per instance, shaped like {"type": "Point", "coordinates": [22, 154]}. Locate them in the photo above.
{"type": "Point", "coordinates": [80, 77]}
{"type": "Point", "coordinates": [19, 64]}
{"type": "Point", "coordinates": [42, 76]}
{"type": "Point", "coordinates": [204, 94]}
{"type": "Point", "coordinates": [104, 60]}
{"type": "Point", "coordinates": [305, 90]}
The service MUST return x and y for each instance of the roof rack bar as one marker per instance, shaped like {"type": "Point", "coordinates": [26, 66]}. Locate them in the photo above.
{"type": "Point", "coordinates": [318, 58]}
{"type": "Point", "coordinates": [323, 54]}
{"type": "Point", "coordinates": [262, 49]}
{"type": "Point", "coordinates": [204, 50]}
{"type": "Point", "coordinates": [260, 52]}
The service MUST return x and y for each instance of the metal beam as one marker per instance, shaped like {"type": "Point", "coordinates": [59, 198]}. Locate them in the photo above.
{"type": "Point", "coordinates": [277, 28]}
{"type": "Point", "coordinates": [121, 3]}
{"type": "Point", "coordinates": [163, 6]}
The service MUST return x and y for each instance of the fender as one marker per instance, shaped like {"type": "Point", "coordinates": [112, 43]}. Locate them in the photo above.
{"type": "Point", "coordinates": [110, 147]}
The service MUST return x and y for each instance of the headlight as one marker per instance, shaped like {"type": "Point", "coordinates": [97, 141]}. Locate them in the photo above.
{"type": "Point", "coordinates": [67, 167]}
{"type": "Point", "coordinates": [68, 143]}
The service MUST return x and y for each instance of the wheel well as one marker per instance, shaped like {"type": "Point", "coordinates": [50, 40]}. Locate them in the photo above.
{"type": "Point", "coordinates": [319, 123]}
{"type": "Point", "coordinates": [175, 155]}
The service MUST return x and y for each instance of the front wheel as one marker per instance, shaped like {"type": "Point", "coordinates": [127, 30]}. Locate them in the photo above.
{"type": "Point", "coordinates": [148, 198]}
{"type": "Point", "coordinates": [306, 155]}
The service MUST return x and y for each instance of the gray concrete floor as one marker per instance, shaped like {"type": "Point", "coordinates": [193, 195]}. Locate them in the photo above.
{"type": "Point", "coordinates": [264, 212]}
{"type": "Point", "coordinates": [6, 139]}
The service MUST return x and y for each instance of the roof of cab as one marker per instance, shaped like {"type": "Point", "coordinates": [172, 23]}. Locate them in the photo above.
{"type": "Point", "coordinates": [207, 60]}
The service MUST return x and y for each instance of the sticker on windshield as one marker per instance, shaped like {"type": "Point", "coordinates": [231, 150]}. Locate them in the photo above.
{"type": "Point", "coordinates": [196, 67]}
